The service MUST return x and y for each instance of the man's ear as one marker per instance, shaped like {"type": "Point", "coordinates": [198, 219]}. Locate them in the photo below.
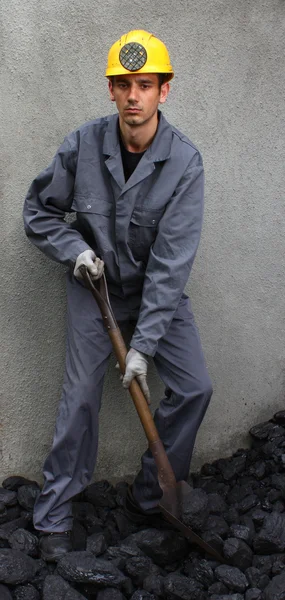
{"type": "Point", "coordinates": [164, 91]}
{"type": "Point", "coordinates": [110, 86]}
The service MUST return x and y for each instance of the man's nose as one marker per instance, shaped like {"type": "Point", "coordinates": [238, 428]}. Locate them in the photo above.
{"type": "Point", "coordinates": [133, 94]}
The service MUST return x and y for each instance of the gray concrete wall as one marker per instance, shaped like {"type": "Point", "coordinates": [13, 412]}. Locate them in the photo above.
{"type": "Point", "coordinates": [228, 97]}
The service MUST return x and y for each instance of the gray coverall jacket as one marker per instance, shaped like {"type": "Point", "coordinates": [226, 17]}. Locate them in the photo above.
{"type": "Point", "coordinates": [145, 230]}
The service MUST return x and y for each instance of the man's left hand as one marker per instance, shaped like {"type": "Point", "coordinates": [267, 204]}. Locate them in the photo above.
{"type": "Point", "coordinates": [136, 366]}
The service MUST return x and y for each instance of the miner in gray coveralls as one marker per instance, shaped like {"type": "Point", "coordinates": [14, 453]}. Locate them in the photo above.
{"type": "Point", "coordinates": [136, 186]}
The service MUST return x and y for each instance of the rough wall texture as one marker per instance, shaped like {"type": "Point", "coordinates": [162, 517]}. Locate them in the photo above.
{"type": "Point", "coordinates": [228, 97]}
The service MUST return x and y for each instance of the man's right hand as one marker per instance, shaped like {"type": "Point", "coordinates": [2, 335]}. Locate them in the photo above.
{"type": "Point", "coordinates": [94, 265]}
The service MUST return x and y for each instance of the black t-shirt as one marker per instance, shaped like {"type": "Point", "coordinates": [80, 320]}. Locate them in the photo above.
{"type": "Point", "coordinates": [130, 160]}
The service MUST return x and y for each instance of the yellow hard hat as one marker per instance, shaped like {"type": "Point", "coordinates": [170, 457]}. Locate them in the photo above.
{"type": "Point", "coordinates": [138, 52]}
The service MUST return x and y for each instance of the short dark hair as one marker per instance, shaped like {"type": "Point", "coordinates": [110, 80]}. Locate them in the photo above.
{"type": "Point", "coordinates": [162, 78]}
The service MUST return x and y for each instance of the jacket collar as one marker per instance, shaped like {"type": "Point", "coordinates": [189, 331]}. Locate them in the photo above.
{"type": "Point", "coordinates": [158, 151]}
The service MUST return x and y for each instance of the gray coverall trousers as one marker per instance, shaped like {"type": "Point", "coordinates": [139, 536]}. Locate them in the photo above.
{"type": "Point", "coordinates": [180, 363]}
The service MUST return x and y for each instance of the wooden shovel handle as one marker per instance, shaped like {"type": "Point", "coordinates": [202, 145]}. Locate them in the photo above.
{"type": "Point", "coordinates": [99, 290]}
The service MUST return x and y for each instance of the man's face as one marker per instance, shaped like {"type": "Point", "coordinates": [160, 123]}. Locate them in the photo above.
{"type": "Point", "coordinates": [137, 96]}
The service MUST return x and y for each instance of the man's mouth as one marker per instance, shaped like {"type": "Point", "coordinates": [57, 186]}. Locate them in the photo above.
{"type": "Point", "coordinates": [132, 109]}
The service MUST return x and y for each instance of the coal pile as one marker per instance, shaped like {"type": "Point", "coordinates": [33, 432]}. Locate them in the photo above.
{"type": "Point", "coordinates": [237, 505]}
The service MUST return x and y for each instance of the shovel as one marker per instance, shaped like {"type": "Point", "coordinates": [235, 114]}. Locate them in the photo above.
{"type": "Point", "coordinates": [174, 494]}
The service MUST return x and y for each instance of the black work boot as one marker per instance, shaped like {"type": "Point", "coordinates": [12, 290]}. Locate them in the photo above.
{"type": "Point", "coordinates": [54, 545]}
{"type": "Point", "coordinates": [135, 514]}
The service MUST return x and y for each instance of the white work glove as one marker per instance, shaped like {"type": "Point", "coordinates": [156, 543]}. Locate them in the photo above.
{"type": "Point", "coordinates": [136, 366]}
{"type": "Point", "coordinates": [94, 265]}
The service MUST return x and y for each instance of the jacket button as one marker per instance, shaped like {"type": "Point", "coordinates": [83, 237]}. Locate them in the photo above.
{"type": "Point", "coordinates": [88, 205]}
{"type": "Point", "coordinates": [153, 221]}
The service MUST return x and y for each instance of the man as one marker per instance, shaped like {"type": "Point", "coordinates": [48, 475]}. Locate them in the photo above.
{"type": "Point", "coordinates": [136, 186]}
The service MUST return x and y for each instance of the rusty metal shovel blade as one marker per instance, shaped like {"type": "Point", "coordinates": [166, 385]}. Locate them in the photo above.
{"type": "Point", "coordinates": [173, 511]}
{"type": "Point", "coordinates": [174, 495]}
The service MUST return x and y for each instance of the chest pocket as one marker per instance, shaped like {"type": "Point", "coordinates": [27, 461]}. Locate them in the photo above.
{"type": "Point", "coordinates": [91, 205]}
{"type": "Point", "coordinates": [143, 231]}
{"type": "Point", "coordinates": [95, 221]}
